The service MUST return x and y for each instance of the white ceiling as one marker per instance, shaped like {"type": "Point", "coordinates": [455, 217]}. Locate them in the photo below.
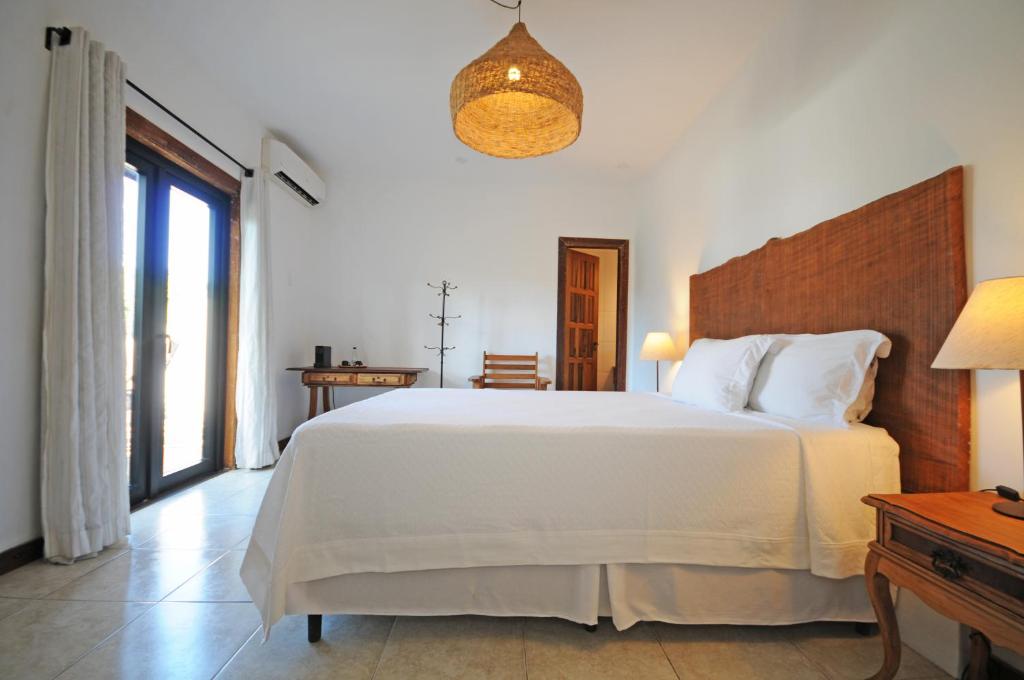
{"type": "Point", "coordinates": [361, 88]}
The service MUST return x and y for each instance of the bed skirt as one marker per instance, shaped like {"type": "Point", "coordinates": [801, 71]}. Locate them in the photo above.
{"type": "Point", "coordinates": [627, 593]}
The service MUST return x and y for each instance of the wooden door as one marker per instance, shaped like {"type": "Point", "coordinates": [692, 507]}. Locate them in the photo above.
{"type": "Point", "coordinates": [580, 321]}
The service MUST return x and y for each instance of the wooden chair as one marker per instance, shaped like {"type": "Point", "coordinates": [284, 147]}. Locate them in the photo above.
{"type": "Point", "coordinates": [510, 372]}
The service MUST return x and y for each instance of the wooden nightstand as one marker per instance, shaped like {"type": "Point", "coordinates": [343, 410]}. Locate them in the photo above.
{"type": "Point", "coordinates": [961, 558]}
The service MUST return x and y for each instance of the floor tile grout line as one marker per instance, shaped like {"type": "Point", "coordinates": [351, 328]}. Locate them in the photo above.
{"type": "Point", "coordinates": [153, 550]}
{"type": "Point", "coordinates": [813, 664]}
{"type": "Point", "coordinates": [201, 571]}
{"type": "Point", "coordinates": [205, 601]}
{"type": "Point", "coordinates": [190, 577]}
{"type": "Point", "coordinates": [70, 599]}
{"type": "Point", "coordinates": [104, 641]}
{"type": "Point", "coordinates": [204, 513]}
{"type": "Point", "coordinates": [142, 546]}
{"type": "Point", "coordinates": [24, 605]}
{"type": "Point", "coordinates": [383, 648]}
{"type": "Point", "coordinates": [23, 597]}
{"type": "Point", "coordinates": [237, 651]}
{"type": "Point", "coordinates": [661, 646]}
{"type": "Point", "coordinates": [46, 595]}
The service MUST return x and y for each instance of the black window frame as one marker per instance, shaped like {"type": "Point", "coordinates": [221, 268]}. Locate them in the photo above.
{"type": "Point", "coordinates": [157, 175]}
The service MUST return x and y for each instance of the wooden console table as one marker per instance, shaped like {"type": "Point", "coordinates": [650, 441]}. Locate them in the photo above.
{"type": "Point", "coordinates": [960, 557]}
{"type": "Point", "coordinates": [352, 376]}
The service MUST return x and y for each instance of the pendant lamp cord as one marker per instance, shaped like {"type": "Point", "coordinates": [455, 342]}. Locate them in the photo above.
{"type": "Point", "coordinates": [518, 6]}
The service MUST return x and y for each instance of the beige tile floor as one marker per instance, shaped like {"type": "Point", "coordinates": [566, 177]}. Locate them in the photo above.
{"type": "Point", "coordinates": [169, 604]}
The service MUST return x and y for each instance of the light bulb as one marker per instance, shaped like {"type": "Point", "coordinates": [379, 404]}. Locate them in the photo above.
{"type": "Point", "coordinates": [514, 73]}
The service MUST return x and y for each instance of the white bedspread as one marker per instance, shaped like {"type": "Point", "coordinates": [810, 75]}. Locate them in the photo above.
{"type": "Point", "coordinates": [434, 479]}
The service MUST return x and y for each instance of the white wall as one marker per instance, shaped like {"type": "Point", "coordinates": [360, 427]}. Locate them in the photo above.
{"type": "Point", "coordinates": [295, 230]}
{"type": "Point", "coordinates": [842, 104]}
{"type": "Point", "coordinates": [494, 236]}
{"type": "Point", "coordinates": [155, 64]}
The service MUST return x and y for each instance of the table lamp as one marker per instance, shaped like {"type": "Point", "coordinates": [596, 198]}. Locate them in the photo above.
{"type": "Point", "coordinates": [989, 333]}
{"type": "Point", "coordinates": [657, 345]}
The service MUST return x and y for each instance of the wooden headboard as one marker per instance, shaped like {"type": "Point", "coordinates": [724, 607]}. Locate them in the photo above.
{"type": "Point", "coordinates": [896, 265]}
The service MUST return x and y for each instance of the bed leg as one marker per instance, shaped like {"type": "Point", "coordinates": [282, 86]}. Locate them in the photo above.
{"type": "Point", "coordinates": [314, 626]}
{"type": "Point", "coordinates": [589, 628]}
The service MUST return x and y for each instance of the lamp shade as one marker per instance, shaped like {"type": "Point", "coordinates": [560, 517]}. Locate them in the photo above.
{"type": "Point", "coordinates": [658, 345]}
{"type": "Point", "coordinates": [989, 333]}
{"type": "Point", "coordinates": [516, 100]}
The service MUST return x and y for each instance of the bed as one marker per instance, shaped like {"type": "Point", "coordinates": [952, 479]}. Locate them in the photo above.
{"type": "Point", "coordinates": [630, 505]}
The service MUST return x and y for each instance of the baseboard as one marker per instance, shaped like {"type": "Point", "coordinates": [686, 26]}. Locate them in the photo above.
{"type": "Point", "coordinates": [20, 555]}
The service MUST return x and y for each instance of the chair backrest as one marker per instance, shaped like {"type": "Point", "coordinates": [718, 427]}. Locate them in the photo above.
{"type": "Point", "coordinates": [510, 371]}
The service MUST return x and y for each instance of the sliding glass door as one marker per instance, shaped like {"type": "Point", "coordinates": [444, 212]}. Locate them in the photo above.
{"type": "Point", "coordinates": [176, 266]}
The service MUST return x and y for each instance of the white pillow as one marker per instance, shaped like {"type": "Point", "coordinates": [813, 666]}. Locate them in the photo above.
{"type": "Point", "coordinates": [717, 374]}
{"type": "Point", "coordinates": [861, 406]}
{"type": "Point", "coordinates": [818, 377]}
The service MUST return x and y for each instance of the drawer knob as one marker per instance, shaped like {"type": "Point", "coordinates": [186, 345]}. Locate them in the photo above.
{"type": "Point", "coordinates": [948, 564]}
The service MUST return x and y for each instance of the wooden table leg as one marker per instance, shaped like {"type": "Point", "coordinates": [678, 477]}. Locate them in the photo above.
{"type": "Point", "coordinates": [980, 650]}
{"type": "Point", "coordinates": [327, 397]}
{"type": "Point", "coordinates": [312, 401]}
{"type": "Point", "coordinates": [881, 600]}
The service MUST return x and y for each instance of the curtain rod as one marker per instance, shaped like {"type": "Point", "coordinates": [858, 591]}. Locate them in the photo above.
{"type": "Point", "coordinates": [63, 33]}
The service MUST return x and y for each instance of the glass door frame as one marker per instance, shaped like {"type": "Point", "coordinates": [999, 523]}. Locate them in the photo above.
{"type": "Point", "coordinates": [159, 175]}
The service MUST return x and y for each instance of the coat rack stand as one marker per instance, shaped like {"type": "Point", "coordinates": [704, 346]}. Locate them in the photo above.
{"type": "Point", "coordinates": [442, 321]}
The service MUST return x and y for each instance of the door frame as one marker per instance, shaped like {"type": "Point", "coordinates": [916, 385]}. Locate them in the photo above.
{"type": "Point", "coordinates": [162, 175]}
{"type": "Point", "coordinates": [162, 143]}
{"type": "Point", "coordinates": [621, 245]}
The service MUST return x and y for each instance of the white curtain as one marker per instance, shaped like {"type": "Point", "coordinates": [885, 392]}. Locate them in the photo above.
{"type": "Point", "coordinates": [256, 435]}
{"type": "Point", "coordinates": [84, 464]}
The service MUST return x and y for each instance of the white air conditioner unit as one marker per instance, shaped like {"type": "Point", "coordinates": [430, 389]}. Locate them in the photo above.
{"type": "Point", "coordinates": [292, 172]}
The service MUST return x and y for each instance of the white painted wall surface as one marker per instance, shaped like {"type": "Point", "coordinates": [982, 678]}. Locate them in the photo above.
{"type": "Point", "coordinates": [842, 104]}
{"type": "Point", "coordinates": [494, 236]}
{"type": "Point", "coordinates": [154, 62]}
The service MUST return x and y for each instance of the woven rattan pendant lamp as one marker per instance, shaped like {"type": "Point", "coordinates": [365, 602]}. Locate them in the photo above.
{"type": "Point", "coordinates": [516, 100]}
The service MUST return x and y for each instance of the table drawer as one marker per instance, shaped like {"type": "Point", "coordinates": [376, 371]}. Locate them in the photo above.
{"type": "Point", "coordinates": [381, 379]}
{"type": "Point", "coordinates": [328, 378]}
{"type": "Point", "coordinates": [957, 564]}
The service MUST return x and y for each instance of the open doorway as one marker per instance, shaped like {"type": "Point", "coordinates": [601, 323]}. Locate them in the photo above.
{"type": "Point", "coordinates": [593, 284]}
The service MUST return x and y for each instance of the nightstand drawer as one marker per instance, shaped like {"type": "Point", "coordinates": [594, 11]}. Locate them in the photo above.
{"type": "Point", "coordinates": [381, 379]}
{"type": "Point", "coordinates": [956, 564]}
{"type": "Point", "coordinates": [328, 379]}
